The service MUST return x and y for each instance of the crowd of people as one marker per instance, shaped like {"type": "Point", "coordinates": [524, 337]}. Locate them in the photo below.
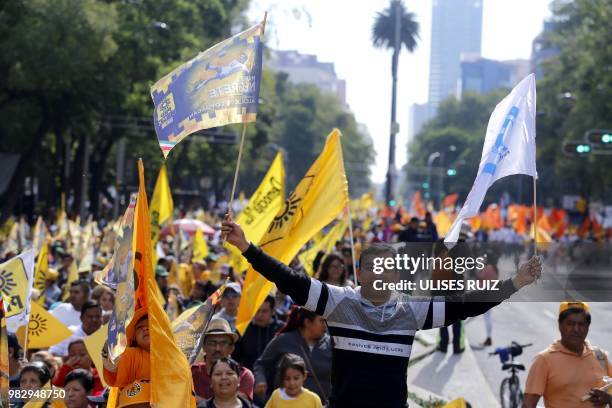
{"type": "Point", "coordinates": [310, 344]}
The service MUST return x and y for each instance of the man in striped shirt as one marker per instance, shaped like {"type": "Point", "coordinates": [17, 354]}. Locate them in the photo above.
{"type": "Point", "coordinates": [372, 330]}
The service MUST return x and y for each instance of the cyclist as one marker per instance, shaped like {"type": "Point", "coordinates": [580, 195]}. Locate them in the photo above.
{"type": "Point", "coordinates": [571, 367]}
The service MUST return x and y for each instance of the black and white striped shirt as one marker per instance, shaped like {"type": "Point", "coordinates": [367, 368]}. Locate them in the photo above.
{"type": "Point", "coordinates": [371, 344]}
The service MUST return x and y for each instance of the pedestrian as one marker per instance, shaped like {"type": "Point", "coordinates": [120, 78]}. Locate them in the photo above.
{"type": "Point", "coordinates": [333, 271]}
{"type": "Point", "coordinates": [78, 358]}
{"type": "Point", "coordinates": [91, 321]}
{"type": "Point", "coordinates": [411, 232]}
{"type": "Point", "coordinates": [571, 368]}
{"type": "Point", "coordinates": [373, 330]}
{"type": "Point", "coordinates": [224, 382]}
{"type": "Point", "coordinates": [489, 273]}
{"type": "Point", "coordinates": [258, 334]}
{"type": "Point", "coordinates": [305, 335]}
{"type": "Point", "coordinates": [79, 384]}
{"type": "Point", "coordinates": [15, 354]}
{"type": "Point", "coordinates": [106, 299]}
{"type": "Point", "coordinates": [33, 376]}
{"type": "Point", "coordinates": [230, 300]}
{"type": "Point", "coordinates": [218, 342]}
{"type": "Point", "coordinates": [292, 394]}
{"type": "Point", "coordinates": [69, 313]}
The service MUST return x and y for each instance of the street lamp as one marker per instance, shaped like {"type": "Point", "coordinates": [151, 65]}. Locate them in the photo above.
{"type": "Point", "coordinates": [430, 161]}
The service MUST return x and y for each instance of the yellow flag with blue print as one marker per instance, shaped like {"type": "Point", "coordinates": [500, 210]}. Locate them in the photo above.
{"type": "Point", "coordinates": [317, 199]}
{"type": "Point", "coordinates": [218, 87]}
{"type": "Point", "coordinates": [16, 279]}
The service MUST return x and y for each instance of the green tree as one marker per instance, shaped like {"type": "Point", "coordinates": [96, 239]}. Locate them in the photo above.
{"type": "Point", "coordinates": [393, 28]}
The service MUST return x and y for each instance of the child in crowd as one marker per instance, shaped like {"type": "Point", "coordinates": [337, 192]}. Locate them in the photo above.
{"type": "Point", "coordinates": [292, 393]}
{"type": "Point", "coordinates": [132, 374]}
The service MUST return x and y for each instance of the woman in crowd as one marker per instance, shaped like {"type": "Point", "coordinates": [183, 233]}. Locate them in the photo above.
{"type": "Point", "coordinates": [293, 394]}
{"type": "Point", "coordinates": [305, 335]}
{"type": "Point", "coordinates": [224, 379]}
{"type": "Point", "coordinates": [78, 358]}
{"type": "Point", "coordinates": [333, 271]}
{"type": "Point", "coordinates": [78, 385]}
{"type": "Point", "coordinates": [106, 299]}
{"type": "Point", "coordinates": [33, 376]}
{"type": "Point", "coordinates": [53, 363]}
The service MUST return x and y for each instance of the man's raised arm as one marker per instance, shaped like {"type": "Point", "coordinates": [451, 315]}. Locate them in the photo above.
{"type": "Point", "coordinates": [290, 282]}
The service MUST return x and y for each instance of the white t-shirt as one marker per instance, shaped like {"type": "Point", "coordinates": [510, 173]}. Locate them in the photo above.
{"type": "Point", "coordinates": [61, 349]}
{"type": "Point", "coordinates": [67, 314]}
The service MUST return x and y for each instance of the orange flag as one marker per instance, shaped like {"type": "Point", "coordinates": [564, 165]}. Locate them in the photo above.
{"type": "Point", "coordinates": [171, 380]}
{"type": "Point", "coordinates": [450, 200]}
{"type": "Point", "coordinates": [417, 209]}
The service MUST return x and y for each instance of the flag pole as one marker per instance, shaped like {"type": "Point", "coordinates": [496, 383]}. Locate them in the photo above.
{"type": "Point", "coordinates": [535, 232]}
{"type": "Point", "coordinates": [25, 339]}
{"type": "Point", "coordinates": [231, 202]}
{"type": "Point", "coordinates": [350, 220]}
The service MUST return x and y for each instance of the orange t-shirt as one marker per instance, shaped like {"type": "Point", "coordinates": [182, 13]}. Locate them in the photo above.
{"type": "Point", "coordinates": [563, 378]}
{"type": "Point", "coordinates": [135, 364]}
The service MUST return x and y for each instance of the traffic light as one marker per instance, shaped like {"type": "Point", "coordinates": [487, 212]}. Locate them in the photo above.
{"type": "Point", "coordinates": [599, 137]}
{"type": "Point", "coordinates": [425, 185]}
{"type": "Point", "coordinates": [451, 172]}
{"type": "Point", "coordinates": [576, 148]}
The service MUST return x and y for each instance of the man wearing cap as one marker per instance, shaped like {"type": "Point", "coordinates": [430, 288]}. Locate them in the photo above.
{"type": "Point", "coordinates": [161, 277]}
{"type": "Point", "coordinates": [230, 300]}
{"type": "Point", "coordinates": [52, 292]}
{"type": "Point", "coordinates": [219, 341]}
{"type": "Point", "coordinates": [571, 369]}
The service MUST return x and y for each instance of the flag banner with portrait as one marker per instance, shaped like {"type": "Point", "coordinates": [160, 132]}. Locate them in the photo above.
{"type": "Point", "coordinates": [218, 87]}
{"type": "Point", "coordinates": [190, 326]}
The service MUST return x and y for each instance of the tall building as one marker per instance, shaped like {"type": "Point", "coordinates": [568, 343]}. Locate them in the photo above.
{"type": "Point", "coordinates": [541, 50]}
{"type": "Point", "coordinates": [481, 75]}
{"type": "Point", "coordinates": [305, 68]}
{"type": "Point", "coordinates": [419, 114]}
{"type": "Point", "coordinates": [456, 28]}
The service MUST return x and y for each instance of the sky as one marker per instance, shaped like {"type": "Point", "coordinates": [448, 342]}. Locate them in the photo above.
{"type": "Point", "coordinates": [339, 31]}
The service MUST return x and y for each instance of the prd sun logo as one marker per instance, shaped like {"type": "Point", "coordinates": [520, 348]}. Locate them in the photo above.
{"type": "Point", "coordinates": [291, 204]}
{"type": "Point", "coordinates": [7, 283]}
{"type": "Point", "coordinates": [37, 325]}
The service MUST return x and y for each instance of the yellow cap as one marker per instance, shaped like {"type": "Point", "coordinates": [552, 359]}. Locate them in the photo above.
{"type": "Point", "coordinates": [574, 305]}
{"type": "Point", "coordinates": [136, 393]}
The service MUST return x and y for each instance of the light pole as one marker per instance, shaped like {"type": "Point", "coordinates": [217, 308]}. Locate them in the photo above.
{"type": "Point", "coordinates": [430, 161]}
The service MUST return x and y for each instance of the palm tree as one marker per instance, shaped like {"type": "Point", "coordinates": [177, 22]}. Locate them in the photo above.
{"type": "Point", "coordinates": [394, 27]}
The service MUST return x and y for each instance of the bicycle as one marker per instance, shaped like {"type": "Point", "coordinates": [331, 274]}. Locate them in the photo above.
{"type": "Point", "coordinates": [510, 393]}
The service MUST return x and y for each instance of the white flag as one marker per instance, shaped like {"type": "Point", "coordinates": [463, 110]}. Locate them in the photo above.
{"type": "Point", "coordinates": [509, 148]}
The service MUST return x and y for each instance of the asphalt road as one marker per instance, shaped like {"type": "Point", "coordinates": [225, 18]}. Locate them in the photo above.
{"type": "Point", "coordinates": [529, 322]}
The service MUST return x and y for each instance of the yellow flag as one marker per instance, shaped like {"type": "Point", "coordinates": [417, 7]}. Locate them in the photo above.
{"type": "Point", "coordinates": [73, 276]}
{"type": "Point", "coordinates": [4, 358]}
{"type": "Point", "coordinates": [171, 380]}
{"type": "Point", "coordinates": [39, 235]}
{"type": "Point", "coordinates": [200, 247]}
{"type": "Point", "coordinates": [94, 343]}
{"type": "Point", "coordinates": [326, 245]}
{"type": "Point", "coordinates": [318, 198]}
{"type": "Point", "coordinates": [162, 205]}
{"type": "Point", "coordinates": [263, 205]}
{"type": "Point", "coordinates": [45, 403]}
{"type": "Point", "coordinates": [457, 403]}
{"type": "Point", "coordinates": [16, 276]}
{"type": "Point", "coordinates": [44, 330]}
{"type": "Point", "coordinates": [40, 274]}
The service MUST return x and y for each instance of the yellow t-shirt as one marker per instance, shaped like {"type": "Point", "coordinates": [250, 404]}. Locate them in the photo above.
{"type": "Point", "coordinates": [562, 377]}
{"type": "Point", "coordinates": [307, 399]}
